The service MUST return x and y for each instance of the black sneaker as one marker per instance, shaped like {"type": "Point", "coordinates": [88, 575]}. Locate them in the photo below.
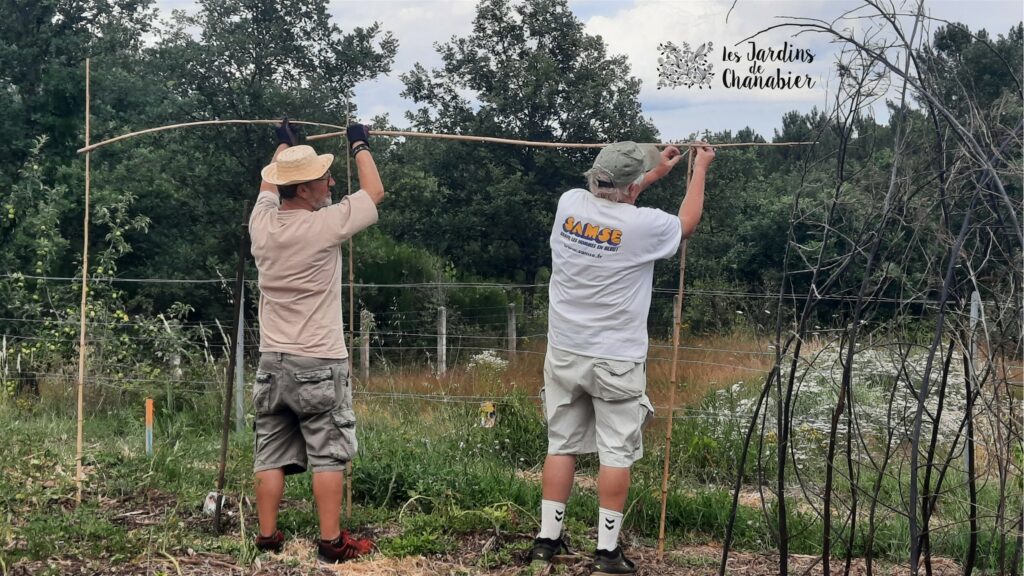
{"type": "Point", "coordinates": [610, 563]}
{"type": "Point", "coordinates": [547, 550]}
{"type": "Point", "coordinates": [273, 543]}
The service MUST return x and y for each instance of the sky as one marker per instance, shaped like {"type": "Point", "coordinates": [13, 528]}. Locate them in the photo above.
{"type": "Point", "coordinates": [636, 28]}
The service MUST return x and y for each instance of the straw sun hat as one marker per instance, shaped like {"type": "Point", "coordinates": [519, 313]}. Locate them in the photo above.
{"type": "Point", "coordinates": [295, 165]}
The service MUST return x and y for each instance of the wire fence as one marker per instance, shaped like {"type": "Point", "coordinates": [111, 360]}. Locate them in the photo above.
{"type": "Point", "coordinates": [252, 284]}
{"type": "Point", "coordinates": [390, 335]}
{"type": "Point", "coordinates": [396, 352]}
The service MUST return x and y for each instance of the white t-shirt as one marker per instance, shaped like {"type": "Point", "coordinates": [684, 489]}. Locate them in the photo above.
{"type": "Point", "coordinates": [602, 270]}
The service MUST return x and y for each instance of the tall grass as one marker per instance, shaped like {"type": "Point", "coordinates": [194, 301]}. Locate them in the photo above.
{"type": "Point", "coordinates": [706, 364]}
{"type": "Point", "coordinates": [427, 472]}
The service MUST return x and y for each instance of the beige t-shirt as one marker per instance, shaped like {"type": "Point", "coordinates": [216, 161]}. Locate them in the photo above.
{"type": "Point", "coordinates": [298, 256]}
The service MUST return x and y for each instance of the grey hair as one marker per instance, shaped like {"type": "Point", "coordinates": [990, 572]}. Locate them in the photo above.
{"type": "Point", "coordinates": [597, 176]}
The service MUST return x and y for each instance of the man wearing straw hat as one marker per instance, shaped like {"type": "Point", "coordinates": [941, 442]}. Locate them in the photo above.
{"type": "Point", "coordinates": [302, 396]}
{"type": "Point", "coordinates": [603, 250]}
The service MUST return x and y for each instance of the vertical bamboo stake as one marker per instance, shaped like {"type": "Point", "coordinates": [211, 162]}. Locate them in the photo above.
{"type": "Point", "coordinates": [677, 320]}
{"type": "Point", "coordinates": [347, 482]}
{"type": "Point", "coordinates": [365, 321]}
{"type": "Point", "coordinates": [85, 289]}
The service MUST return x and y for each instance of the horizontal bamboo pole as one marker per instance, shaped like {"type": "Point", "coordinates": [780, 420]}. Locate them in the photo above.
{"type": "Point", "coordinates": [407, 134]}
{"type": "Point", "coordinates": [492, 140]}
{"type": "Point", "coordinates": [200, 123]}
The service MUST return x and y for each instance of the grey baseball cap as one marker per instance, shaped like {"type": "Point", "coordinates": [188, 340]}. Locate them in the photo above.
{"type": "Point", "coordinates": [627, 161]}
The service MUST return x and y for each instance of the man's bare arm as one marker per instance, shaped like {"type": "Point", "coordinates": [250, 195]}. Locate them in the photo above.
{"type": "Point", "coordinates": [369, 178]}
{"type": "Point", "coordinates": [693, 203]}
{"type": "Point", "coordinates": [264, 185]}
{"type": "Point", "coordinates": [670, 156]}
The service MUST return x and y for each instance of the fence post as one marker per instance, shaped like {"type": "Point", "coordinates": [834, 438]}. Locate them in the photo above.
{"type": "Point", "coordinates": [365, 318]}
{"type": "Point", "coordinates": [175, 367]}
{"type": "Point", "coordinates": [511, 332]}
{"type": "Point", "coordinates": [442, 341]}
{"type": "Point", "coordinates": [240, 366]}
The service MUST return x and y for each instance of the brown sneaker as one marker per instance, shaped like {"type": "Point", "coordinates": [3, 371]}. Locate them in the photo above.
{"type": "Point", "coordinates": [273, 543]}
{"type": "Point", "coordinates": [343, 548]}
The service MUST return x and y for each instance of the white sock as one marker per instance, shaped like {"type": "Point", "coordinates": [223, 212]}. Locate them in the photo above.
{"type": "Point", "coordinates": [552, 516]}
{"type": "Point", "coordinates": [609, 523]}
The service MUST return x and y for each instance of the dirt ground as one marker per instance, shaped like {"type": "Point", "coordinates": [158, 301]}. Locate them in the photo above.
{"type": "Point", "coordinates": [298, 559]}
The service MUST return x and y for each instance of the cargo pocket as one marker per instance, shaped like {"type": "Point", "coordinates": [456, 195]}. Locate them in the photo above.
{"type": "Point", "coordinates": [261, 390]}
{"type": "Point", "coordinates": [645, 414]}
{"type": "Point", "coordinates": [344, 416]}
{"type": "Point", "coordinates": [544, 402]}
{"type": "Point", "coordinates": [646, 411]}
{"type": "Point", "coordinates": [619, 379]}
{"type": "Point", "coordinates": [315, 390]}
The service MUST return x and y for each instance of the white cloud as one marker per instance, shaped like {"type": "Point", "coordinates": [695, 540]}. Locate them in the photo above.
{"type": "Point", "coordinates": [417, 25]}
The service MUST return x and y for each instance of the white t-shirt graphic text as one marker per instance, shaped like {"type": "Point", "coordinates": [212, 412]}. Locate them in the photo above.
{"type": "Point", "coordinates": [602, 269]}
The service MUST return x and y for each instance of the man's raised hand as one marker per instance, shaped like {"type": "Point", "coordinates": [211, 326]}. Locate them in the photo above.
{"type": "Point", "coordinates": [669, 158]}
{"type": "Point", "coordinates": [358, 133]}
{"type": "Point", "coordinates": [705, 155]}
{"type": "Point", "coordinates": [286, 133]}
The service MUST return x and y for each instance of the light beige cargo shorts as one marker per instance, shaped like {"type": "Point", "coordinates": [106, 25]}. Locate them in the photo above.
{"type": "Point", "coordinates": [595, 405]}
{"type": "Point", "coordinates": [304, 414]}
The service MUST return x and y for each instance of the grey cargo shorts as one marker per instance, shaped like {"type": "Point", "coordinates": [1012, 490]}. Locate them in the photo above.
{"type": "Point", "coordinates": [304, 414]}
{"type": "Point", "coordinates": [595, 405]}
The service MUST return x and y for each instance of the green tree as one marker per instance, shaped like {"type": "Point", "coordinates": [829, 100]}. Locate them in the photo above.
{"type": "Point", "coordinates": [531, 72]}
{"type": "Point", "coordinates": [974, 66]}
{"type": "Point", "coordinates": [43, 47]}
{"type": "Point", "coordinates": [230, 59]}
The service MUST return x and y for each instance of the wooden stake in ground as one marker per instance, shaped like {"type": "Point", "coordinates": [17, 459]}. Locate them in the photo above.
{"type": "Point", "coordinates": [677, 320]}
{"type": "Point", "coordinates": [85, 291]}
{"type": "Point", "coordinates": [347, 484]}
{"type": "Point", "coordinates": [232, 362]}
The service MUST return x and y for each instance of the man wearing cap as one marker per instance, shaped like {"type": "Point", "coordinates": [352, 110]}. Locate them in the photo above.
{"type": "Point", "coordinates": [302, 396]}
{"type": "Point", "coordinates": [603, 249]}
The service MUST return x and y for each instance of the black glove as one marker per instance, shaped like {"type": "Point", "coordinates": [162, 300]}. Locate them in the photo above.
{"type": "Point", "coordinates": [358, 133]}
{"type": "Point", "coordinates": [286, 133]}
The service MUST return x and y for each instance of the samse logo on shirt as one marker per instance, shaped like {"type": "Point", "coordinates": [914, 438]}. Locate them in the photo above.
{"type": "Point", "coordinates": [588, 231]}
